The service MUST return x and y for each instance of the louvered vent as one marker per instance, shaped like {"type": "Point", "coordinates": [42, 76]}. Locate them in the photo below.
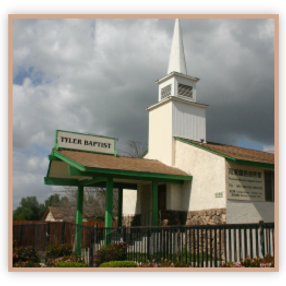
{"type": "Point", "coordinates": [166, 91]}
{"type": "Point", "coordinates": [185, 90]}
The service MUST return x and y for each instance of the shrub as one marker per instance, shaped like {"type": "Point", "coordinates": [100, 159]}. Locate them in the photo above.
{"type": "Point", "coordinates": [70, 264]}
{"type": "Point", "coordinates": [111, 252]}
{"type": "Point", "coordinates": [267, 261]}
{"type": "Point", "coordinates": [119, 264]}
{"type": "Point", "coordinates": [28, 263]}
{"type": "Point", "coordinates": [68, 258]}
{"type": "Point", "coordinates": [164, 263]}
{"type": "Point", "coordinates": [58, 250]}
{"type": "Point", "coordinates": [25, 254]}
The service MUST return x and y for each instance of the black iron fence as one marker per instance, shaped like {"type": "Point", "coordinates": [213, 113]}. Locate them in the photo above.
{"type": "Point", "coordinates": [203, 246]}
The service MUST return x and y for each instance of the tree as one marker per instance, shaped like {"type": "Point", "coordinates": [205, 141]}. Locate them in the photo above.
{"type": "Point", "coordinates": [93, 203]}
{"type": "Point", "coordinates": [134, 149]}
{"type": "Point", "coordinates": [29, 209]}
{"type": "Point", "coordinates": [52, 200]}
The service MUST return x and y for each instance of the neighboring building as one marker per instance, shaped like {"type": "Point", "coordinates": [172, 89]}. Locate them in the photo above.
{"type": "Point", "coordinates": [230, 184]}
{"type": "Point", "coordinates": [60, 214]}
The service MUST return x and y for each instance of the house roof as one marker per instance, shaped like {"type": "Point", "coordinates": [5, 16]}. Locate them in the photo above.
{"type": "Point", "coordinates": [64, 213]}
{"type": "Point", "coordinates": [93, 160]}
{"type": "Point", "coordinates": [233, 152]}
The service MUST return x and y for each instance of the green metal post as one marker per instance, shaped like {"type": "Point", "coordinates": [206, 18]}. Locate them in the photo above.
{"type": "Point", "coordinates": [155, 203]}
{"type": "Point", "coordinates": [119, 214]}
{"type": "Point", "coordinates": [79, 220]}
{"type": "Point", "coordinates": [108, 209]}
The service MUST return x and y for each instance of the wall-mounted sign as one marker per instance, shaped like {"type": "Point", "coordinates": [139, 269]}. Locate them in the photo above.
{"type": "Point", "coordinates": [245, 184]}
{"type": "Point", "coordinates": [85, 142]}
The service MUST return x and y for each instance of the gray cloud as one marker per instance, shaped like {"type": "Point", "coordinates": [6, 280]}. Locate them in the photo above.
{"type": "Point", "coordinates": [98, 76]}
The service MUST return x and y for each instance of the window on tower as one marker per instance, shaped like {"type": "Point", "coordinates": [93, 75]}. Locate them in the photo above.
{"type": "Point", "coordinates": [166, 91]}
{"type": "Point", "coordinates": [185, 90]}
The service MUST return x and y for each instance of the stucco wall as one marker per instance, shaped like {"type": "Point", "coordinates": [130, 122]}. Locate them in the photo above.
{"type": "Point", "coordinates": [208, 171]}
{"type": "Point", "coordinates": [160, 134]}
{"type": "Point", "coordinates": [249, 212]}
{"type": "Point", "coordinates": [129, 202]}
{"type": "Point", "coordinates": [238, 211]}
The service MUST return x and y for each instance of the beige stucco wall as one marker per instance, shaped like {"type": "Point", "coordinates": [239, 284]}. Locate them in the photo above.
{"type": "Point", "coordinates": [160, 134]}
{"type": "Point", "coordinates": [208, 171]}
{"type": "Point", "coordinates": [129, 202]}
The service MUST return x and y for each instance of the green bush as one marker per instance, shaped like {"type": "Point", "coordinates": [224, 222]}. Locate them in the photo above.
{"type": "Point", "coordinates": [111, 252]}
{"type": "Point", "coordinates": [119, 264]}
{"type": "Point", "coordinates": [58, 250]}
{"type": "Point", "coordinates": [26, 264]}
{"type": "Point", "coordinates": [25, 254]}
{"type": "Point", "coordinates": [70, 264]}
{"type": "Point", "coordinates": [68, 258]}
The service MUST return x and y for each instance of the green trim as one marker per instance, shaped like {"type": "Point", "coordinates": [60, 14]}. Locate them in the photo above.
{"type": "Point", "coordinates": [133, 175]}
{"type": "Point", "coordinates": [204, 148]}
{"type": "Point", "coordinates": [79, 209]}
{"type": "Point", "coordinates": [108, 209]}
{"type": "Point", "coordinates": [119, 208]}
{"type": "Point", "coordinates": [94, 135]}
{"type": "Point", "coordinates": [53, 158]}
{"type": "Point", "coordinates": [90, 181]}
{"type": "Point", "coordinates": [144, 154]}
{"type": "Point", "coordinates": [75, 182]}
{"type": "Point", "coordinates": [60, 182]}
{"type": "Point", "coordinates": [56, 144]}
{"type": "Point", "coordinates": [49, 169]}
{"type": "Point", "coordinates": [68, 160]}
{"type": "Point", "coordinates": [255, 164]}
{"type": "Point", "coordinates": [237, 161]}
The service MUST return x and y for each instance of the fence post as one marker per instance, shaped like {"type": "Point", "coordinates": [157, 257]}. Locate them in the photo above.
{"type": "Point", "coordinates": [48, 234]}
{"type": "Point", "coordinates": [63, 231]}
{"type": "Point", "coordinates": [91, 245]}
{"type": "Point", "coordinates": [35, 239]}
{"type": "Point", "coordinates": [21, 234]}
{"type": "Point", "coordinates": [124, 234]}
{"type": "Point", "coordinates": [262, 237]}
{"type": "Point", "coordinates": [178, 245]}
{"type": "Point", "coordinates": [148, 244]}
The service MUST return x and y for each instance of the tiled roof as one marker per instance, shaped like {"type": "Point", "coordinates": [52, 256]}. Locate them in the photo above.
{"type": "Point", "coordinates": [121, 163]}
{"type": "Point", "coordinates": [237, 153]}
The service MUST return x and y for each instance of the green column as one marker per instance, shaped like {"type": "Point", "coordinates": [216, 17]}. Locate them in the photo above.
{"type": "Point", "coordinates": [79, 220]}
{"type": "Point", "coordinates": [119, 213]}
{"type": "Point", "coordinates": [108, 208]}
{"type": "Point", "coordinates": [155, 203]}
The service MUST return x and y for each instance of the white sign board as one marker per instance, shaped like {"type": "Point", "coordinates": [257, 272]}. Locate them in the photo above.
{"type": "Point", "coordinates": [85, 142]}
{"type": "Point", "coordinates": [245, 184]}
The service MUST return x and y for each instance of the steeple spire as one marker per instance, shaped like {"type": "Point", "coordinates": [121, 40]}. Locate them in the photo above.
{"type": "Point", "coordinates": [177, 61]}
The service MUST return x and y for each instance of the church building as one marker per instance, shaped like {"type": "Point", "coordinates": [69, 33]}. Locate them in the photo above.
{"type": "Point", "coordinates": [182, 178]}
{"type": "Point", "coordinates": [230, 184]}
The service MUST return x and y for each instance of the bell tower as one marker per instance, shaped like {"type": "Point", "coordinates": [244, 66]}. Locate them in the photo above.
{"type": "Point", "coordinates": [177, 113]}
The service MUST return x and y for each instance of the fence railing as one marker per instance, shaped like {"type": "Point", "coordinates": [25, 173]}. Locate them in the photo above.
{"type": "Point", "coordinates": [203, 246]}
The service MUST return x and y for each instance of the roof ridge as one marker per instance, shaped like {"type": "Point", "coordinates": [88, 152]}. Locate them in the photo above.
{"type": "Point", "coordinates": [215, 143]}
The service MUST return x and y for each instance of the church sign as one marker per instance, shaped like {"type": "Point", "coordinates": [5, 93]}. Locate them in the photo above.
{"type": "Point", "coordinates": [85, 142]}
{"type": "Point", "coordinates": [245, 184]}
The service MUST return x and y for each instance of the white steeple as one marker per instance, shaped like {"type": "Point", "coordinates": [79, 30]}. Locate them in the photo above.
{"type": "Point", "coordinates": [177, 61]}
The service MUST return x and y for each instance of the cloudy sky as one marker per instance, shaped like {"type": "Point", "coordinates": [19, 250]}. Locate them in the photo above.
{"type": "Point", "coordinates": [98, 76]}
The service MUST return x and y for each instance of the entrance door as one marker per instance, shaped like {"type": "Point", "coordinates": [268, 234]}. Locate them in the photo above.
{"type": "Point", "coordinates": [162, 200]}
